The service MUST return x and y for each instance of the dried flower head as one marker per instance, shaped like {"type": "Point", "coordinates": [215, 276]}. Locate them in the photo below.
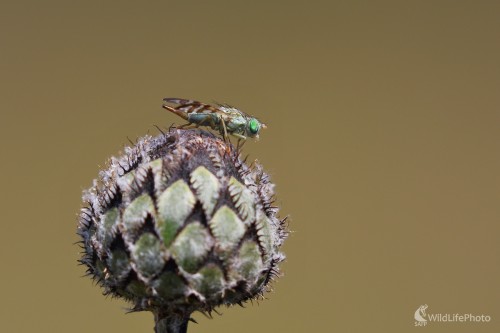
{"type": "Point", "coordinates": [179, 223]}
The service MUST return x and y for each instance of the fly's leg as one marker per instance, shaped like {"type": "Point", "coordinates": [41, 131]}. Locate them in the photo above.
{"type": "Point", "coordinates": [241, 140]}
{"type": "Point", "coordinates": [188, 125]}
{"type": "Point", "coordinates": [240, 143]}
{"type": "Point", "coordinates": [226, 139]}
{"type": "Point", "coordinates": [239, 136]}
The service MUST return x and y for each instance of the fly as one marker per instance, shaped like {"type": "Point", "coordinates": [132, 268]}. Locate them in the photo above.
{"type": "Point", "coordinates": [222, 118]}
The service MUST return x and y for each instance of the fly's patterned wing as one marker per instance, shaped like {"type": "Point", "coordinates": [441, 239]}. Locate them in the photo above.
{"type": "Point", "coordinates": [188, 106]}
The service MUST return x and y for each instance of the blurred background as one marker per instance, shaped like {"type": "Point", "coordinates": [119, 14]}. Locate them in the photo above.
{"type": "Point", "coordinates": [383, 140]}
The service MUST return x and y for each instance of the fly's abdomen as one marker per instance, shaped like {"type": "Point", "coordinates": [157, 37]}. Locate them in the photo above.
{"type": "Point", "coordinates": [205, 119]}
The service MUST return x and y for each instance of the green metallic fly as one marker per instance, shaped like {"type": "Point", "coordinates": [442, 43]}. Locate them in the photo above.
{"type": "Point", "coordinates": [222, 118]}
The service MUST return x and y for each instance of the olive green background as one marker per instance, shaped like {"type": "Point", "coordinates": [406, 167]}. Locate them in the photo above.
{"type": "Point", "coordinates": [383, 139]}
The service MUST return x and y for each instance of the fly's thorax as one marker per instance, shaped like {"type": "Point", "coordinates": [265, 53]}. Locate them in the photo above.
{"type": "Point", "coordinates": [236, 124]}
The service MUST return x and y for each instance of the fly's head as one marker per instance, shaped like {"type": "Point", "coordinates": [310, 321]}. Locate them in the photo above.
{"type": "Point", "coordinates": [253, 127]}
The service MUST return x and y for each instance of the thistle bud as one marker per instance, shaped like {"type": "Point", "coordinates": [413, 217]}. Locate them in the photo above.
{"type": "Point", "coordinates": [179, 223]}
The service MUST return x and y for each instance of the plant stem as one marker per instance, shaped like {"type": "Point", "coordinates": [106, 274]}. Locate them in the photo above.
{"type": "Point", "coordinates": [170, 323]}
